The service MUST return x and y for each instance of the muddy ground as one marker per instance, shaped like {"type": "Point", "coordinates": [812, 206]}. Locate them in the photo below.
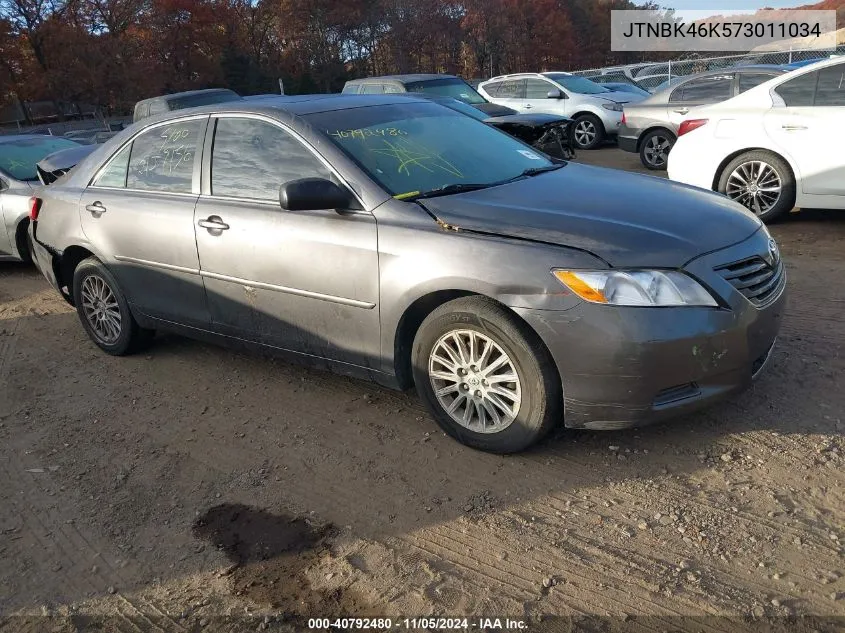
{"type": "Point", "coordinates": [192, 488]}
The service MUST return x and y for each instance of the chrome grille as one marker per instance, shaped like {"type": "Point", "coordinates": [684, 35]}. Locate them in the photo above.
{"type": "Point", "coordinates": [755, 278]}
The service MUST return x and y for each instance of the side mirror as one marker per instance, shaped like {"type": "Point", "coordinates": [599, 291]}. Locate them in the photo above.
{"type": "Point", "coordinates": [313, 194]}
{"type": "Point", "coordinates": [555, 94]}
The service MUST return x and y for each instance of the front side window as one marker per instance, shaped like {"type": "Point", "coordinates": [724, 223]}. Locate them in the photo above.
{"type": "Point", "coordinates": [420, 147]}
{"type": "Point", "coordinates": [705, 90]}
{"type": "Point", "coordinates": [162, 158]}
{"type": "Point", "coordinates": [799, 92]}
{"type": "Point", "coordinates": [18, 158]}
{"type": "Point", "coordinates": [830, 91]}
{"type": "Point", "coordinates": [537, 89]}
{"type": "Point", "coordinates": [114, 175]}
{"type": "Point", "coordinates": [448, 87]}
{"type": "Point", "coordinates": [576, 84]}
{"type": "Point", "coordinates": [252, 158]}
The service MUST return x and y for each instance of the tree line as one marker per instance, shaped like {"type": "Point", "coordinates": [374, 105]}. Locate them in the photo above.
{"type": "Point", "coordinates": [115, 52]}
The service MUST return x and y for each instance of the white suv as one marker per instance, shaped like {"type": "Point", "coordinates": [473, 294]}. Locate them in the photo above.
{"type": "Point", "coordinates": [596, 111]}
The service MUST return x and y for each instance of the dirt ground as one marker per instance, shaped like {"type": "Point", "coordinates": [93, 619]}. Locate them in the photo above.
{"type": "Point", "coordinates": [192, 488]}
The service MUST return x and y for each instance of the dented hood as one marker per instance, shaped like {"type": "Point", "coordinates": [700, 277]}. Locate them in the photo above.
{"type": "Point", "coordinates": [627, 219]}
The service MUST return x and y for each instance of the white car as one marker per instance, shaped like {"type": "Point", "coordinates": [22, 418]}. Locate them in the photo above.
{"type": "Point", "coordinates": [775, 147]}
{"type": "Point", "coordinates": [596, 111]}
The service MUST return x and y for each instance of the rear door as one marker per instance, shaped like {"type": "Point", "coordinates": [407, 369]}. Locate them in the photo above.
{"type": "Point", "coordinates": [508, 92]}
{"type": "Point", "coordinates": [138, 215]}
{"type": "Point", "coordinates": [811, 128]}
{"type": "Point", "coordinates": [303, 281]}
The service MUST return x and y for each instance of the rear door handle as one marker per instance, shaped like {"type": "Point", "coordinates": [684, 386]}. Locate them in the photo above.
{"type": "Point", "coordinates": [682, 110]}
{"type": "Point", "coordinates": [794, 128]}
{"type": "Point", "coordinates": [214, 223]}
{"type": "Point", "coordinates": [96, 209]}
{"type": "Point", "coordinates": [527, 106]}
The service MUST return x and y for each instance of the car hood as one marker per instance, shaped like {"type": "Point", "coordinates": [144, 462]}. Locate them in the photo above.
{"type": "Point", "coordinates": [620, 97]}
{"type": "Point", "coordinates": [493, 109]}
{"type": "Point", "coordinates": [626, 219]}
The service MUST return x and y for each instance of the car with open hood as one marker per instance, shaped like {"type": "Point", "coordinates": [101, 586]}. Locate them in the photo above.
{"type": "Point", "coordinates": [19, 154]}
{"type": "Point", "coordinates": [596, 111]}
{"type": "Point", "coordinates": [398, 240]}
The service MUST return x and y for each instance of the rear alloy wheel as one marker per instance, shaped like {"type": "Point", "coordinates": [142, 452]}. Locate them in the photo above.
{"type": "Point", "coordinates": [655, 148]}
{"type": "Point", "coordinates": [103, 310]}
{"type": "Point", "coordinates": [587, 131]}
{"type": "Point", "coordinates": [761, 182]}
{"type": "Point", "coordinates": [486, 378]}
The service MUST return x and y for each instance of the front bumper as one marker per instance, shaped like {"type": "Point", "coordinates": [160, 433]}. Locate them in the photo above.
{"type": "Point", "coordinates": [623, 367]}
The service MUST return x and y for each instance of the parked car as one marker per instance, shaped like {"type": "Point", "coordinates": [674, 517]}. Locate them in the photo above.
{"type": "Point", "coordinates": [625, 87]}
{"type": "Point", "coordinates": [398, 240]}
{"type": "Point", "coordinates": [596, 111]}
{"type": "Point", "coordinates": [180, 100]}
{"type": "Point", "coordinates": [650, 127]}
{"type": "Point", "coordinates": [774, 147]}
{"type": "Point", "coordinates": [550, 133]}
{"type": "Point", "coordinates": [435, 85]}
{"type": "Point", "coordinates": [18, 179]}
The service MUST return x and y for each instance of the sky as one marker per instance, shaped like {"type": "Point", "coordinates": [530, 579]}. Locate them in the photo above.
{"type": "Point", "coordinates": [727, 7]}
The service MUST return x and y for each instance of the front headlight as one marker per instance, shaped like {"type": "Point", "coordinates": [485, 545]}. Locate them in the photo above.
{"type": "Point", "coordinates": [636, 287]}
{"type": "Point", "coordinates": [615, 107]}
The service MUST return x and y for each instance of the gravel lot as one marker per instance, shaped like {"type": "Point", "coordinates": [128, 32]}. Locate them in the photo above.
{"type": "Point", "coordinates": [193, 488]}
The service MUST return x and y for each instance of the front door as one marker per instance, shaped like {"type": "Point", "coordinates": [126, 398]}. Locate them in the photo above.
{"type": "Point", "coordinates": [810, 128]}
{"type": "Point", "coordinates": [302, 281]}
{"type": "Point", "coordinates": [537, 97]}
{"type": "Point", "coordinates": [138, 214]}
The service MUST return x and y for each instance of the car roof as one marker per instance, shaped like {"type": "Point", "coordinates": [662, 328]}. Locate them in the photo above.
{"type": "Point", "coordinates": [294, 104]}
{"type": "Point", "coordinates": [518, 75]}
{"type": "Point", "coordinates": [403, 79]}
{"type": "Point", "coordinates": [187, 93]}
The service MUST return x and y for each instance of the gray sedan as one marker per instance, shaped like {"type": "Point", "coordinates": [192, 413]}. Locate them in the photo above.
{"type": "Point", "coordinates": [395, 239]}
{"type": "Point", "coordinates": [650, 127]}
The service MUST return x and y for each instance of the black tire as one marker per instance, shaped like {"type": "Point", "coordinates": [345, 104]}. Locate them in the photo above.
{"type": "Point", "coordinates": [654, 149]}
{"type": "Point", "coordinates": [22, 242]}
{"type": "Point", "coordinates": [784, 204]}
{"type": "Point", "coordinates": [541, 405]}
{"type": "Point", "coordinates": [131, 336]}
{"type": "Point", "coordinates": [581, 124]}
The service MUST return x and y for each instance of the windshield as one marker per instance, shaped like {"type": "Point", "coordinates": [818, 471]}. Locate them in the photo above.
{"type": "Point", "coordinates": [454, 87]}
{"type": "Point", "coordinates": [578, 85]}
{"type": "Point", "coordinates": [420, 147]}
{"type": "Point", "coordinates": [18, 158]}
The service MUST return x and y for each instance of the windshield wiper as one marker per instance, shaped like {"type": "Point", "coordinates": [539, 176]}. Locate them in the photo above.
{"type": "Point", "coordinates": [447, 190]}
{"type": "Point", "coordinates": [534, 171]}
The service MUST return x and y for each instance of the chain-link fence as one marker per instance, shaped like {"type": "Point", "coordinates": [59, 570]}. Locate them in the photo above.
{"type": "Point", "coordinates": [653, 76]}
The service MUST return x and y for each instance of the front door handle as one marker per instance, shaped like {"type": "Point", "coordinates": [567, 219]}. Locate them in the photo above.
{"type": "Point", "coordinates": [96, 209]}
{"type": "Point", "coordinates": [527, 106]}
{"type": "Point", "coordinates": [794, 128]}
{"type": "Point", "coordinates": [213, 223]}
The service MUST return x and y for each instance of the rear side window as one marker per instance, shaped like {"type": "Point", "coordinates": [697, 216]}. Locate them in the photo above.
{"type": "Point", "coordinates": [704, 90]}
{"type": "Point", "coordinates": [392, 89]}
{"type": "Point", "coordinates": [493, 88]}
{"type": "Point", "coordinates": [372, 89]}
{"type": "Point", "coordinates": [512, 89]}
{"type": "Point", "coordinates": [114, 175]}
{"type": "Point", "coordinates": [162, 158]}
{"type": "Point", "coordinates": [252, 158]}
{"type": "Point", "coordinates": [350, 89]}
{"type": "Point", "coordinates": [159, 106]}
{"type": "Point", "coordinates": [830, 90]}
{"type": "Point", "coordinates": [747, 81]}
{"type": "Point", "coordinates": [799, 92]}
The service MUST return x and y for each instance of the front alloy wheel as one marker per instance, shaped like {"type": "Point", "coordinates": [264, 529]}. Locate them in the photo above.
{"type": "Point", "coordinates": [475, 381]}
{"type": "Point", "coordinates": [587, 131]}
{"type": "Point", "coordinates": [485, 376]}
